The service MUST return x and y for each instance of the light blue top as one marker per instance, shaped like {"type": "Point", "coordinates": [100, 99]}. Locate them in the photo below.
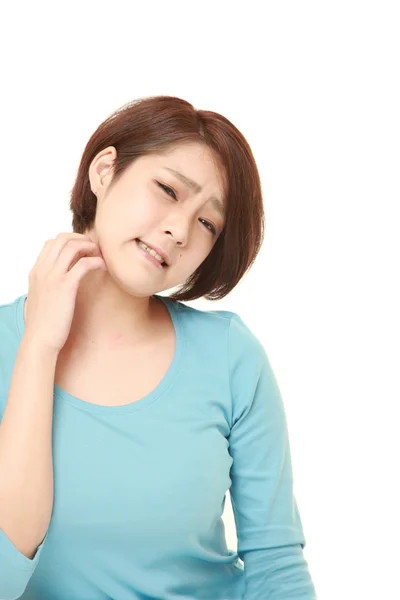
{"type": "Point", "coordinates": [139, 489]}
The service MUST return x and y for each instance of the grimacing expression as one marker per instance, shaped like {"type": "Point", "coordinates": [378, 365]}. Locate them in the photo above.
{"type": "Point", "coordinates": [171, 201]}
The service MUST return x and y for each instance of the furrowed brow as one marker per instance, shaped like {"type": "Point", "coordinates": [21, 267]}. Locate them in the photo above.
{"type": "Point", "coordinates": [196, 188]}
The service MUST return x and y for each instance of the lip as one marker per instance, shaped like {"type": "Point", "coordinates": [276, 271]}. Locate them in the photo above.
{"type": "Point", "coordinates": [159, 251]}
{"type": "Point", "coordinates": [150, 258]}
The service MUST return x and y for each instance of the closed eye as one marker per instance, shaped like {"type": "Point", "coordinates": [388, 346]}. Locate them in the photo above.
{"type": "Point", "coordinates": [167, 189]}
{"type": "Point", "coordinates": [207, 224]}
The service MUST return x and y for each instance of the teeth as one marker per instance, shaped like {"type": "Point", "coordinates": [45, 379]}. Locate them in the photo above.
{"type": "Point", "coordinates": [151, 251]}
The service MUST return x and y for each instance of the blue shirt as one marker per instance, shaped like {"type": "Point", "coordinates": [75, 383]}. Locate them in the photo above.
{"type": "Point", "coordinates": [139, 489]}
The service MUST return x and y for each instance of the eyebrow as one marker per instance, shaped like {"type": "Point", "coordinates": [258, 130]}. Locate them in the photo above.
{"type": "Point", "coordinates": [196, 188]}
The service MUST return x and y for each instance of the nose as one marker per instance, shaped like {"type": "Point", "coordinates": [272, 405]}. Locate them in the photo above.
{"type": "Point", "coordinates": [179, 230]}
{"type": "Point", "coordinates": [180, 241]}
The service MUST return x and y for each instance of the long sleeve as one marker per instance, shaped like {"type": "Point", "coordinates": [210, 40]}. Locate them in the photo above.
{"type": "Point", "coordinates": [152, 475]}
{"type": "Point", "coordinates": [269, 529]}
{"type": "Point", "coordinates": [16, 569]}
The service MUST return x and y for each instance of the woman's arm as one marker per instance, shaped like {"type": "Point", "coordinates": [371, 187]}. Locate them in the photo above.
{"type": "Point", "coordinates": [26, 462]}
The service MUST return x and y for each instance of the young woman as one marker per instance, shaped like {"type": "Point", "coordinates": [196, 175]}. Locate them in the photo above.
{"type": "Point", "coordinates": [127, 415]}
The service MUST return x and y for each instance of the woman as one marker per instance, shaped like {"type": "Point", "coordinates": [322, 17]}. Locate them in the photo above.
{"type": "Point", "coordinates": [127, 415]}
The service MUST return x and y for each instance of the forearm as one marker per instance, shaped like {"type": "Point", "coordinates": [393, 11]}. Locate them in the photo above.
{"type": "Point", "coordinates": [26, 462]}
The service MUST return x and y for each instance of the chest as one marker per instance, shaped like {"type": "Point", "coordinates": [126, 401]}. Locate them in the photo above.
{"type": "Point", "coordinates": [115, 378]}
{"type": "Point", "coordinates": [143, 483]}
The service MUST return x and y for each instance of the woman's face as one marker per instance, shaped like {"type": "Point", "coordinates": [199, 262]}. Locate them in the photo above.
{"type": "Point", "coordinates": [154, 203]}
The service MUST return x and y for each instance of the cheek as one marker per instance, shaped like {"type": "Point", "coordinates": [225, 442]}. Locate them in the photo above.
{"type": "Point", "coordinates": [193, 258]}
{"type": "Point", "coordinates": [129, 216]}
{"type": "Point", "coordinates": [145, 210]}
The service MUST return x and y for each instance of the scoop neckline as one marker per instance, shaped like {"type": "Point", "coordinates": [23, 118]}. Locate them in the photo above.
{"type": "Point", "coordinates": [174, 309]}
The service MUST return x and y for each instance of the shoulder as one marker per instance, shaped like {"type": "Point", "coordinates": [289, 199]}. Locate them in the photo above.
{"type": "Point", "coordinates": [226, 327]}
{"type": "Point", "coordinates": [10, 338]}
{"type": "Point", "coordinates": [243, 339]}
{"type": "Point", "coordinates": [9, 326]}
{"type": "Point", "coordinates": [202, 323]}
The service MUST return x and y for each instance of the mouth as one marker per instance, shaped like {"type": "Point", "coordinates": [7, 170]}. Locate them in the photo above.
{"type": "Point", "coordinates": [156, 257]}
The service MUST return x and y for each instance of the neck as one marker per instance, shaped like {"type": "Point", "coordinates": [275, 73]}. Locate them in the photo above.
{"type": "Point", "coordinates": [109, 318]}
{"type": "Point", "coordinates": [106, 318]}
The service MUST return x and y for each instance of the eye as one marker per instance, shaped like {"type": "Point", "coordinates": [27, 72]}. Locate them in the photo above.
{"type": "Point", "coordinates": [209, 226]}
{"type": "Point", "coordinates": [167, 190]}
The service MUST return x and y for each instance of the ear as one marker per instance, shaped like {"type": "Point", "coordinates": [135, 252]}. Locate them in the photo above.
{"type": "Point", "coordinates": [101, 170]}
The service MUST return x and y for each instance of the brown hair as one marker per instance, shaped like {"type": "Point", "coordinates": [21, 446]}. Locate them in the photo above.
{"type": "Point", "coordinates": [152, 124]}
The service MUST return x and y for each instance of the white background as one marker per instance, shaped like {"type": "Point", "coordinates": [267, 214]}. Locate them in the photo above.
{"type": "Point", "coordinates": [314, 87]}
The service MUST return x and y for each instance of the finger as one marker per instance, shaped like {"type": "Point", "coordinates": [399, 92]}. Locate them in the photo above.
{"type": "Point", "coordinates": [72, 253]}
{"type": "Point", "coordinates": [84, 265]}
{"type": "Point", "coordinates": [59, 243]}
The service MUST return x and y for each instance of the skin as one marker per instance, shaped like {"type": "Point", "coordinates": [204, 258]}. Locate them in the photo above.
{"type": "Point", "coordinates": [115, 309]}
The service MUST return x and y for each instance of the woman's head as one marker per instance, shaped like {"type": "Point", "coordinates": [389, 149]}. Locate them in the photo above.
{"type": "Point", "coordinates": [131, 185]}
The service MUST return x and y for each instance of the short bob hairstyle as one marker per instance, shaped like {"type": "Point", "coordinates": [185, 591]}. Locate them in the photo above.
{"type": "Point", "coordinates": [152, 124]}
